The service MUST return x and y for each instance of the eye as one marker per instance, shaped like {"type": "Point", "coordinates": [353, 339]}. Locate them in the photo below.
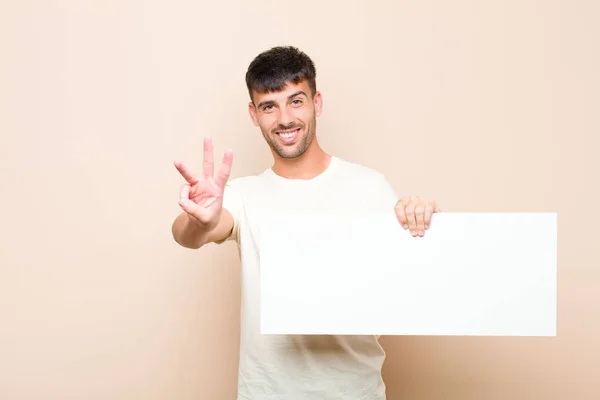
{"type": "Point", "coordinates": [297, 102]}
{"type": "Point", "coordinates": [267, 107]}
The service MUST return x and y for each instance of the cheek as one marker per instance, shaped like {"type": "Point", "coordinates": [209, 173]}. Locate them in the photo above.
{"type": "Point", "coordinates": [308, 115]}
{"type": "Point", "coordinates": [265, 121]}
{"type": "Point", "coordinates": [268, 124]}
{"type": "Point", "coordinates": [307, 119]}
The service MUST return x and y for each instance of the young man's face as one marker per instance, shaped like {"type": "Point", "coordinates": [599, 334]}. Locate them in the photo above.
{"type": "Point", "coordinates": [287, 118]}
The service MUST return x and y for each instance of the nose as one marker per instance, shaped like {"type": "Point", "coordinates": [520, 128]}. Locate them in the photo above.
{"type": "Point", "coordinates": [285, 117]}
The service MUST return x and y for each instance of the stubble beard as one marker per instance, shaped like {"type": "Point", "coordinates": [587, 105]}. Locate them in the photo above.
{"type": "Point", "coordinates": [297, 149]}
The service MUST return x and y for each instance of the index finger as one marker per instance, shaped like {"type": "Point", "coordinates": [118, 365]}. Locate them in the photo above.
{"type": "Point", "coordinates": [185, 172]}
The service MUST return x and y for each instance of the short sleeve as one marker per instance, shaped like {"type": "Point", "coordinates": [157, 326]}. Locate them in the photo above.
{"type": "Point", "coordinates": [232, 202]}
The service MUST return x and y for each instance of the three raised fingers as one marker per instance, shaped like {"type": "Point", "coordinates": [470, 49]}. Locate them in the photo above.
{"type": "Point", "coordinates": [208, 164]}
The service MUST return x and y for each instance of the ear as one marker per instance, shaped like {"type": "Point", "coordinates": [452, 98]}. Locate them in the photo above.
{"type": "Point", "coordinates": [252, 112]}
{"type": "Point", "coordinates": [318, 101]}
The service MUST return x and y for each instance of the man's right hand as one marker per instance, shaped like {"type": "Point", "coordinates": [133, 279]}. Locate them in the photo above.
{"type": "Point", "coordinates": [201, 197]}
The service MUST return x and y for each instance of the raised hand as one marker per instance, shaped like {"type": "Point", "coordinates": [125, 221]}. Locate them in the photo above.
{"type": "Point", "coordinates": [202, 197]}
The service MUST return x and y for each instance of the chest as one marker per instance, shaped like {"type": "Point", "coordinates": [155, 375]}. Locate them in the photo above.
{"type": "Point", "coordinates": [273, 202]}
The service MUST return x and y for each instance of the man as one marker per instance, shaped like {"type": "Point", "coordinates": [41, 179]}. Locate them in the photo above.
{"type": "Point", "coordinates": [284, 103]}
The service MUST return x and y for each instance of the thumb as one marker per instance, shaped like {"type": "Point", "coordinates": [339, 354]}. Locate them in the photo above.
{"type": "Point", "coordinates": [185, 203]}
{"type": "Point", "coordinates": [198, 212]}
{"type": "Point", "coordinates": [191, 208]}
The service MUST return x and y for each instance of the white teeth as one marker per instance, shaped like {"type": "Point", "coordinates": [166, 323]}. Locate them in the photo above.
{"type": "Point", "coordinates": [287, 135]}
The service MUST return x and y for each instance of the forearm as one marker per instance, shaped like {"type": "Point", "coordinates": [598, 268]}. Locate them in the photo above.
{"type": "Point", "coordinates": [187, 233]}
{"type": "Point", "coordinates": [193, 236]}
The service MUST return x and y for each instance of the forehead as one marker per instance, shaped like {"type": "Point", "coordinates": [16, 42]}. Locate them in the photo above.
{"type": "Point", "coordinates": [288, 90]}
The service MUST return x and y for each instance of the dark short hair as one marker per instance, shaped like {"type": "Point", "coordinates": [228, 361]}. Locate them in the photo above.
{"type": "Point", "coordinates": [271, 69]}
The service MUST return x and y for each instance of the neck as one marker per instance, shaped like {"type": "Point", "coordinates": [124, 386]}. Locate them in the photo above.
{"type": "Point", "coordinates": [312, 163]}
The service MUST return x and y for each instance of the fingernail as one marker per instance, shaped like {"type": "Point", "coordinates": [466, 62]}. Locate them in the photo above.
{"type": "Point", "coordinates": [405, 226]}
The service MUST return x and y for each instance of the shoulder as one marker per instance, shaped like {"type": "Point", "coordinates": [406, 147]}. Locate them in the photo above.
{"type": "Point", "coordinates": [360, 171]}
{"type": "Point", "coordinates": [368, 179]}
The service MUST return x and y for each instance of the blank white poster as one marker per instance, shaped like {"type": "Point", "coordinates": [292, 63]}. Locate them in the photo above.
{"type": "Point", "coordinates": [491, 274]}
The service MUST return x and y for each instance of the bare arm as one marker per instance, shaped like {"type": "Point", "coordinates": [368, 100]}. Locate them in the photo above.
{"type": "Point", "coordinates": [192, 235]}
{"type": "Point", "coordinates": [203, 220]}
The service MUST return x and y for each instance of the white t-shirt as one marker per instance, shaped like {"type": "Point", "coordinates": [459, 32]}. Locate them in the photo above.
{"type": "Point", "coordinates": [319, 367]}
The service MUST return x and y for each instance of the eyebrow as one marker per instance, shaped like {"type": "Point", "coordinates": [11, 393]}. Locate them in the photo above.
{"type": "Point", "coordinates": [269, 102]}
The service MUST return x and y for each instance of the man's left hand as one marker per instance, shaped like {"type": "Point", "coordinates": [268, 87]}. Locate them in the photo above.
{"type": "Point", "coordinates": [415, 213]}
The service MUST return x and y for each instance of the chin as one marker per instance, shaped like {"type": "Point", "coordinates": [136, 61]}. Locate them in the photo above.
{"type": "Point", "coordinates": [291, 152]}
{"type": "Point", "coordinates": [291, 156]}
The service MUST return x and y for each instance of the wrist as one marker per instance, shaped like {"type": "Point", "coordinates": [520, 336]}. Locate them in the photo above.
{"type": "Point", "coordinates": [197, 231]}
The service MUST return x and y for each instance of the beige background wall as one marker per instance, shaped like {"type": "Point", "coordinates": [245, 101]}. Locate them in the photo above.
{"type": "Point", "coordinates": [484, 106]}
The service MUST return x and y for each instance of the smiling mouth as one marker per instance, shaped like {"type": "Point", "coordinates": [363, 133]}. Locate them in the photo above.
{"type": "Point", "coordinates": [288, 134]}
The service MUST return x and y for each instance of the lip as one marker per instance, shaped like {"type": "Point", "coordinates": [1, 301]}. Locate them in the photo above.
{"type": "Point", "coordinates": [291, 139]}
